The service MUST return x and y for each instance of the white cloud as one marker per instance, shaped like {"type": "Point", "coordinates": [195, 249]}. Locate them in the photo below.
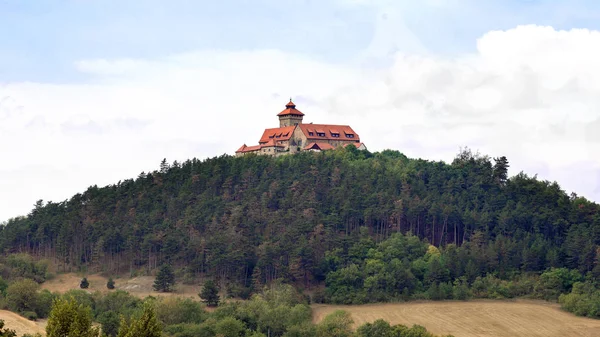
{"type": "Point", "coordinates": [530, 93]}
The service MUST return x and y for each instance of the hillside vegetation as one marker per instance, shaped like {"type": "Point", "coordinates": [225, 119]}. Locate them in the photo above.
{"type": "Point", "coordinates": [378, 225]}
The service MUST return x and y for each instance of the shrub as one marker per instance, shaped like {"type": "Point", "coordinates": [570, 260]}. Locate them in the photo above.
{"type": "Point", "coordinates": [30, 315]}
{"type": "Point", "coordinates": [110, 284]}
{"type": "Point", "coordinates": [21, 296]}
{"type": "Point", "coordinates": [84, 284]}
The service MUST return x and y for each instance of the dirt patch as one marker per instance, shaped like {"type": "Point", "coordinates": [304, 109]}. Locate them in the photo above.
{"type": "Point", "coordinates": [475, 318]}
{"type": "Point", "coordinates": [21, 324]}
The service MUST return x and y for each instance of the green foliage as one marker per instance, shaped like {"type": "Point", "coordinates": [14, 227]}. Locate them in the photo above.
{"type": "Point", "coordinates": [110, 322]}
{"type": "Point", "coordinates": [165, 279]}
{"type": "Point", "coordinates": [173, 311]}
{"type": "Point", "coordinates": [24, 266]}
{"type": "Point", "coordinates": [337, 324]}
{"type": "Point", "coordinates": [68, 318]}
{"type": "Point", "coordinates": [210, 293]}
{"type": "Point", "coordinates": [84, 284]}
{"type": "Point", "coordinates": [555, 282]}
{"type": "Point", "coordinates": [233, 218]}
{"type": "Point", "coordinates": [583, 300]}
{"type": "Point", "coordinates": [146, 325]}
{"type": "Point", "coordinates": [21, 296]}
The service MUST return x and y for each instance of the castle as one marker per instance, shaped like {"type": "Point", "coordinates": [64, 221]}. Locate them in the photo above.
{"type": "Point", "coordinates": [293, 136]}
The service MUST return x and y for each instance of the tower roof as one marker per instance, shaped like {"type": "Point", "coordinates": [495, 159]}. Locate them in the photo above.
{"type": "Point", "coordinates": [290, 109]}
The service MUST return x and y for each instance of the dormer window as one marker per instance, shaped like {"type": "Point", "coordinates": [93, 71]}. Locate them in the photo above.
{"type": "Point", "coordinates": [349, 135]}
{"type": "Point", "coordinates": [311, 133]}
{"type": "Point", "coordinates": [321, 134]}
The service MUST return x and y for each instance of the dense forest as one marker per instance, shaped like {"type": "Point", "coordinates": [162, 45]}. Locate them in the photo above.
{"type": "Point", "coordinates": [381, 222]}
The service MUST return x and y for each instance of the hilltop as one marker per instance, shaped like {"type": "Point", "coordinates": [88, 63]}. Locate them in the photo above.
{"type": "Point", "coordinates": [250, 220]}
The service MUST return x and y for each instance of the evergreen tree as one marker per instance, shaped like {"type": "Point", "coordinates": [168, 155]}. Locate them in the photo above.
{"type": "Point", "coordinates": [110, 284]}
{"type": "Point", "coordinates": [68, 318]}
{"type": "Point", "coordinates": [210, 293]}
{"type": "Point", "coordinates": [84, 284]}
{"type": "Point", "coordinates": [165, 279]}
{"type": "Point", "coordinates": [501, 170]}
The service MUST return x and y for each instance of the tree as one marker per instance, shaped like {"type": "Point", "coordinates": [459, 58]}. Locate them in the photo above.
{"type": "Point", "coordinates": [147, 325]}
{"type": "Point", "coordinates": [110, 284]}
{"type": "Point", "coordinates": [501, 170]}
{"type": "Point", "coordinates": [21, 296]}
{"type": "Point", "coordinates": [337, 324]}
{"type": "Point", "coordinates": [68, 318]}
{"type": "Point", "coordinates": [6, 332]}
{"type": "Point", "coordinates": [165, 279]}
{"type": "Point", "coordinates": [210, 293]}
{"type": "Point", "coordinates": [84, 284]}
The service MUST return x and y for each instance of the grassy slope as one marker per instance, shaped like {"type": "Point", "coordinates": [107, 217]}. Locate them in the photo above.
{"type": "Point", "coordinates": [21, 324]}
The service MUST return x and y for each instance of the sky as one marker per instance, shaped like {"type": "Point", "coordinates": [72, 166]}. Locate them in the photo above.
{"type": "Point", "coordinates": [97, 91]}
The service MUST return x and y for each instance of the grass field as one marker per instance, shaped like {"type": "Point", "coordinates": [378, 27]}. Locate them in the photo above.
{"type": "Point", "coordinates": [475, 318]}
{"type": "Point", "coordinates": [138, 286]}
{"type": "Point", "coordinates": [21, 324]}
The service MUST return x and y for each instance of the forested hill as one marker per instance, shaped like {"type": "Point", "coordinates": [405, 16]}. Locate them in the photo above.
{"type": "Point", "coordinates": [258, 218]}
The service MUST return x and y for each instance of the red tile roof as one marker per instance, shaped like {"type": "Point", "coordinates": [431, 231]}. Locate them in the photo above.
{"type": "Point", "coordinates": [290, 109]}
{"type": "Point", "coordinates": [284, 133]}
{"type": "Point", "coordinates": [329, 130]}
{"type": "Point", "coordinates": [245, 148]}
{"type": "Point", "coordinates": [319, 146]}
{"type": "Point", "coordinates": [241, 149]}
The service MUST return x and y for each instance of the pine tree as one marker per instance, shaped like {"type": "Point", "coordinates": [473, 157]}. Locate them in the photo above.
{"type": "Point", "coordinates": [210, 293]}
{"type": "Point", "coordinates": [110, 284]}
{"type": "Point", "coordinates": [84, 283]}
{"type": "Point", "coordinates": [165, 279]}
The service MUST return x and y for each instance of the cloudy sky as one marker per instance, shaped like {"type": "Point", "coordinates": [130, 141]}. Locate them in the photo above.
{"type": "Point", "coordinates": [96, 91]}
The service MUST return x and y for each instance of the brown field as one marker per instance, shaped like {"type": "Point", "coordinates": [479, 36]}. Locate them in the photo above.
{"type": "Point", "coordinates": [21, 324]}
{"type": "Point", "coordinates": [139, 286]}
{"type": "Point", "coordinates": [475, 318]}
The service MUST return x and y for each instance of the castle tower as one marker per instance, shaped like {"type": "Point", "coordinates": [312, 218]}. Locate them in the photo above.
{"type": "Point", "coordinates": [290, 116]}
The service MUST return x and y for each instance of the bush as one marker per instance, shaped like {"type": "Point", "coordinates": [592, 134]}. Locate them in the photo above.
{"type": "Point", "coordinates": [110, 284]}
{"type": "Point", "coordinates": [110, 323]}
{"type": "Point", "coordinates": [172, 311]}
{"type": "Point", "coordinates": [44, 303]}
{"type": "Point", "coordinates": [21, 296]}
{"type": "Point", "coordinates": [84, 284]}
{"type": "Point", "coordinates": [30, 315]}
{"type": "Point", "coordinates": [23, 265]}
